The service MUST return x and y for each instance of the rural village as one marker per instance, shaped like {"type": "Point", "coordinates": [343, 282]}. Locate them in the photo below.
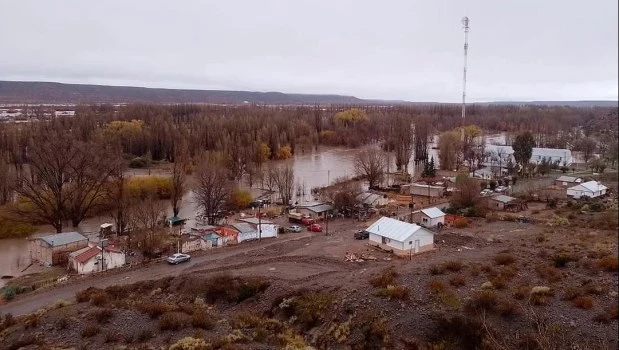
{"type": "Point", "coordinates": [187, 251]}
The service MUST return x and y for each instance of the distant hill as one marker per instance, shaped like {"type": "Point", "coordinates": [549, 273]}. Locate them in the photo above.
{"type": "Point", "coordinates": [48, 92]}
{"type": "Point", "coordinates": [582, 104]}
{"type": "Point", "coordinates": [60, 93]}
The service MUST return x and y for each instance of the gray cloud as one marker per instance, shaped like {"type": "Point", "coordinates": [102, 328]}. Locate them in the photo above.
{"type": "Point", "coordinates": [393, 49]}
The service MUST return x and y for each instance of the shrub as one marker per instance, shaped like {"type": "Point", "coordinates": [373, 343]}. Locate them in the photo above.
{"type": "Point", "coordinates": [385, 279]}
{"type": "Point", "coordinates": [155, 309]}
{"type": "Point", "coordinates": [485, 300]}
{"type": "Point", "coordinates": [506, 308]}
{"type": "Point", "coordinates": [521, 291]}
{"type": "Point", "coordinates": [31, 320]}
{"type": "Point", "coordinates": [463, 332]}
{"type": "Point", "coordinates": [451, 300]}
{"type": "Point", "coordinates": [173, 321]}
{"type": "Point", "coordinates": [436, 286]}
{"type": "Point", "coordinates": [551, 274]}
{"type": "Point", "coordinates": [609, 263]}
{"type": "Point", "coordinates": [562, 259]}
{"type": "Point", "coordinates": [190, 343]}
{"type": "Point", "coordinates": [376, 334]}
{"type": "Point", "coordinates": [504, 259]}
{"type": "Point", "coordinates": [540, 295]}
{"type": "Point", "coordinates": [102, 315]}
{"type": "Point", "coordinates": [231, 289]}
{"type": "Point", "coordinates": [571, 293]}
{"type": "Point", "coordinates": [62, 323]}
{"type": "Point", "coordinates": [90, 331]}
{"type": "Point", "coordinates": [393, 292]}
{"type": "Point", "coordinates": [583, 302]}
{"type": "Point", "coordinates": [453, 266]}
{"type": "Point", "coordinates": [499, 281]}
{"type": "Point", "coordinates": [457, 280]}
{"type": "Point", "coordinates": [437, 269]}
{"type": "Point", "coordinates": [8, 293]}
{"type": "Point", "coordinates": [461, 223]}
{"type": "Point", "coordinates": [202, 319]}
{"type": "Point", "coordinates": [308, 306]}
{"type": "Point", "coordinates": [144, 335]}
{"type": "Point", "coordinates": [137, 163]}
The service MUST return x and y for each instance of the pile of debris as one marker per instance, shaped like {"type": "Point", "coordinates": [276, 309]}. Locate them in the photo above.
{"type": "Point", "coordinates": [352, 257]}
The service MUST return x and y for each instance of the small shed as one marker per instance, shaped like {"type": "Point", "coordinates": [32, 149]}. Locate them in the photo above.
{"type": "Point", "coordinates": [422, 190]}
{"type": "Point", "coordinates": [175, 221]}
{"type": "Point", "coordinates": [92, 259]}
{"type": "Point", "coordinates": [567, 181]}
{"type": "Point", "coordinates": [373, 200]}
{"type": "Point", "coordinates": [499, 202]}
{"type": "Point", "coordinates": [429, 217]}
{"type": "Point", "coordinates": [314, 209]}
{"type": "Point", "coordinates": [591, 189]}
{"type": "Point", "coordinates": [54, 249]}
{"type": "Point", "coordinates": [402, 238]}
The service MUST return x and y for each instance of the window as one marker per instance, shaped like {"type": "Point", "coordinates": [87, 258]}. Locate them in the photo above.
{"type": "Point", "coordinates": [410, 242]}
{"type": "Point", "coordinates": [424, 220]}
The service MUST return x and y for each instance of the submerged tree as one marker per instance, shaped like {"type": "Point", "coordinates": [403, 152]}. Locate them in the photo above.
{"type": "Point", "coordinates": [179, 176]}
{"type": "Point", "coordinates": [213, 187]}
{"type": "Point", "coordinates": [371, 164]}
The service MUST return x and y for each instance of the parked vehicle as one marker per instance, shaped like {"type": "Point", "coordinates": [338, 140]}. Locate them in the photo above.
{"type": "Point", "coordinates": [178, 258]}
{"type": "Point", "coordinates": [294, 228]}
{"type": "Point", "coordinates": [314, 228]}
{"type": "Point", "coordinates": [362, 234]}
{"type": "Point", "coordinates": [295, 217]}
{"type": "Point", "coordinates": [307, 220]}
{"type": "Point", "coordinates": [500, 189]}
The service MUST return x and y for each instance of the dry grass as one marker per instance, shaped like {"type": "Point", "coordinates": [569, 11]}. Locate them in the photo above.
{"type": "Point", "coordinates": [202, 319]}
{"type": "Point", "coordinates": [583, 302]}
{"type": "Point", "coordinates": [521, 291]}
{"type": "Point", "coordinates": [393, 292]}
{"type": "Point", "coordinates": [550, 274]}
{"type": "Point", "coordinates": [155, 309]}
{"type": "Point", "coordinates": [90, 331]}
{"type": "Point", "coordinates": [482, 301]}
{"type": "Point", "coordinates": [562, 259]}
{"type": "Point", "coordinates": [436, 287]}
{"type": "Point", "coordinates": [385, 279]}
{"type": "Point", "coordinates": [457, 280]}
{"type": "Point", "coordinates": [461, 223]}
{"type": "Point", "coordinates": [102, 315]}
{"type": "Point", "coordinates": [173, 321]}
{"type": "Point", "coordinates": [499, 281]}
{"type": "Point", "coordinates": [609, 263]}
{"type": "Point", "coordinates": [453, 265]}
{"type": "Point", "coordinates": [437, 269]}
{"type": "Point", "coordinates": [504, 259]}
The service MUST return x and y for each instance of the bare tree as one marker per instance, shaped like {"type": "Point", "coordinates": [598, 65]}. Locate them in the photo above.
{"type": "Point", "coordinates": [284, 182]}
{"type": "Point", "coordinates": [212, 188]}
{"type": "Point", "coordinates": [145, 218]}
{"type": "Point", "coordinates": [449, 148]}
{"type": "Point", "coordinates": [404, 139]}
{"type": "Point", "coordinates": [370, 164]}
{"type": "Point", "coordinates": [342, 193]}
{"type": "Point", "coordinates": [7, 181]}
{"type": "Point", "coordinates": [587, 146]}
{"type": "Point", "coordinates": [51, 158]}
{"type": "Point", "coordinates": [467, 194]}
{"type": "Point", "coordinates": [179, 176]}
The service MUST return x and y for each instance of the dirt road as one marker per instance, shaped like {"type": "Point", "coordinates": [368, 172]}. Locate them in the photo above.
{"type": "Point", "coordinates": [40, 299]}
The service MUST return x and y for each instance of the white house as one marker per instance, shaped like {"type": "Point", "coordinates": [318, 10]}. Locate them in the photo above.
{"type": "Point", "coordinates": [555, 155]}
{"type": "Point", "coordinates": [402, 238]}
{"type": "Point", "coordinates": [91, 259]}
{"type": "Point", "coordinates": [589, 189]}
{"type": "Point", "coordinates": [429, 217]}
{"type": "Point", "coordinates": [248, 232]}
{"type": "Point", "coordinates": [567, 181]}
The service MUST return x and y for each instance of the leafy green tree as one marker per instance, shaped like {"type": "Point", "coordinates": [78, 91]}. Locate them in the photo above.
{"type": "Point", "coordinates": [523, 149]}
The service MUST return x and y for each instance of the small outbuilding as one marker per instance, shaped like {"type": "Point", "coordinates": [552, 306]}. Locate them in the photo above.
{"type": "Point", "coordinates": [314, 209]}
{"type": "Point", "coordinates": [567, 181]}
{"type": "Point", "coordinates": [499, 202]}
{"type": "Point", "coordinates": [402, 238]}
{"type": "Point", "coordinates": [372, 200]}
{"type": "Point", "coordinates": [54, 249]}
{"type": "Point", "coordinates": [591, 189]}
{"type": "Point", "coordinates": [93, 259]}
{"type": "Point", "coordinates": [429, 217]}
{"type": "Point", "coordinates": [248, 232]}
{"type": "Point", "coordinates": [421, 190]}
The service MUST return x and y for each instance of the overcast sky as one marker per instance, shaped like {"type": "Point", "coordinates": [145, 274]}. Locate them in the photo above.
{"type": "Point", "coordinates": [390, 49]}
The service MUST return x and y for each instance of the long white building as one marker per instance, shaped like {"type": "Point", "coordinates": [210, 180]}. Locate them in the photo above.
{"type": "Point", "coordinates": [556, 155]}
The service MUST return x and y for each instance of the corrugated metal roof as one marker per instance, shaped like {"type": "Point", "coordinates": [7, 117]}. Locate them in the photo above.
{"type": "Point", "coordinates": [254, 221]}
{"type": "Point", "coordinates": [320, 208]}
{"type": "Point", "coordinates": [394, 229]}
{"type": "Point", "coordinates": [87, 254]}
{"type": "Point", "coordinates": [433, 212]}
{"type": "Point", "coordinates": [503, 198]}
{"type": "Point", "coordinates": [243, 227]}
{"type": "Point", "coordinates": [63, 238]}
{"type": "Point", "coordinates": [592, 186]}
{"type": "Point", "coordinates": [565, 178]}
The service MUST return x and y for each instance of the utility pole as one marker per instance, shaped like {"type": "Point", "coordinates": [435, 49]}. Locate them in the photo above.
{"type": "Point", "coordinates": [102, 241]}
{"type": "Point", "coordinates": [259, 222]}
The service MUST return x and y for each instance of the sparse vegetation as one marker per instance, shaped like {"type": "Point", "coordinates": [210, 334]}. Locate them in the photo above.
{"type": "Point", "coordinates": [90, 331]}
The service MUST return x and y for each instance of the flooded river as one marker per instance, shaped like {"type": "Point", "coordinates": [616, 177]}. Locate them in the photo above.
{"type": "Point", "coordinates": [314, 169]}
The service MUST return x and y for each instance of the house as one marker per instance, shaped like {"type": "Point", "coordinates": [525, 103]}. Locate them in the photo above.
{"type": "Point", "coordinates": [93, 259]}
{"type": "Point", "coordinates": [559, 156]}
{"type": "Point", "coordinates": [503, 202]}
{"type": "Point", "coordinates": [372, 200]}
{"type": "Point", "coordinates": [55, 249]}
{"type": "Point", "coordinates": [429, 217]}
{"type": "Point", "coordinates": [191, 243]}
{"type": "Point", "coordinates": [402, 238]}
{"type": "Point", "coordinates": [249, 232]}
{"type": "Point", "coordinates": [228, 235]}
{"type": "Point", "coordinates": [567, 181]}
{"type": "Point", "coordinates": [207, 239]}
{"type": "Point", "coordinates": [591, 189]}
{"type": "Point", "coordinates": [426, 190]}
{"type": "Point", "coordinates": [314, 209]}
{"type": "Point", "coordinates": [255, 221]}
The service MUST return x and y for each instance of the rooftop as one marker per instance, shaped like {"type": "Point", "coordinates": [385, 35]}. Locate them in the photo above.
{"type": "Point", "coordinates": [394, 229]}
{"type": "Point", "coordinates": [243, 227]}
{"type": "Point", "coordinates": [85, 254]}
{"type": "Point", "coordinates": [63, 238]}
{"type": "Point", "coordinates": [433, 213]}
{"type": "Point", "coordinates": [255, 221]}
{"type": "Point", "coordinates": [592, 186]}
{"type": "Point", "coordinates": [503, 198]}
{"type": "Point", "coordinates": [565, 178]}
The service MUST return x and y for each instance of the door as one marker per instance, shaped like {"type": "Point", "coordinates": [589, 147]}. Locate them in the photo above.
{"type": "Point", "coordinates": [416, 246]}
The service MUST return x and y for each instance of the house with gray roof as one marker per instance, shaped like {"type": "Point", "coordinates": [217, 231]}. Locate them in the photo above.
{"type": "Point", "coordinates": [54, 249]}
{"type": "Point", "coordinates": [400, 237]}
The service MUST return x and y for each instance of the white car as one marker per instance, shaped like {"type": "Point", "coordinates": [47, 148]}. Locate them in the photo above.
{"type": "Point", "coordinates": [500, 189]}
{"type": "Point", "coordinates": [178, 258]}
{"type": "Point", "coordinates": [294, 228]}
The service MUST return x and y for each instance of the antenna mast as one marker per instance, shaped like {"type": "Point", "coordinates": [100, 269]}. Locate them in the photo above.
{"type": "Point", "coordinates": [465, 24]}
